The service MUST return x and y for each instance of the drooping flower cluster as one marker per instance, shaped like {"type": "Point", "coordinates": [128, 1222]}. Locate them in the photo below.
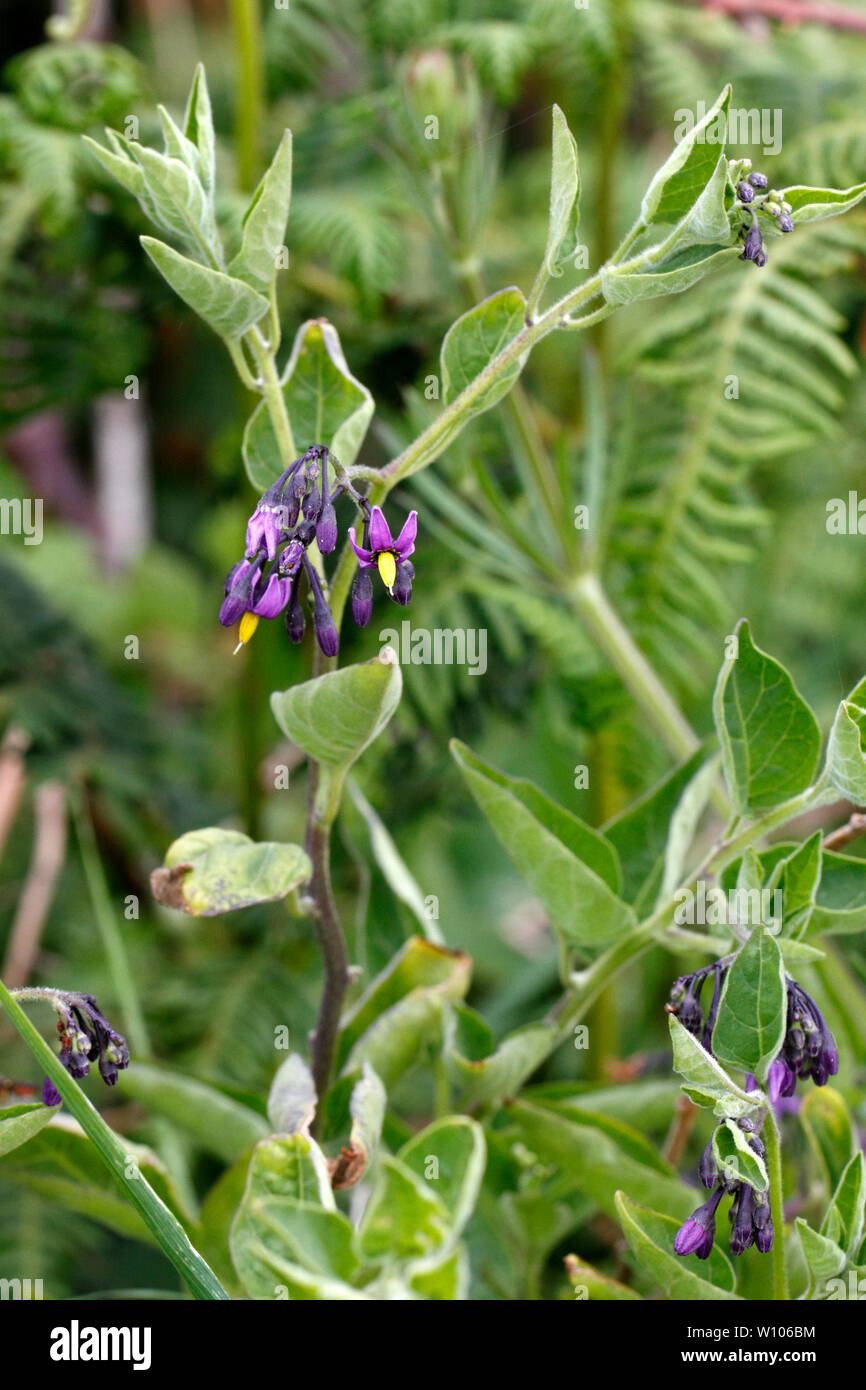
{"type": "Point", "coordinates": [770, 202]}
{"type": "Point", "coordinates": [749, 1214]}
{"type": "Point", "coordinates": [808, 1050]}
{"type": "Point", "coordinates": [296, 510]}
{"type": "Point", "coordinates": [85, 1036]}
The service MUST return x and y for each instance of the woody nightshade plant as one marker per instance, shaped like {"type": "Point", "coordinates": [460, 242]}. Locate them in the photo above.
{"type": "Point", "coordinates": [300, 450]}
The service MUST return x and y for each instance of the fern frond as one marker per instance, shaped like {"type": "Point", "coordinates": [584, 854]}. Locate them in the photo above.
{"type": "Point", "coordinates": [754, 369]}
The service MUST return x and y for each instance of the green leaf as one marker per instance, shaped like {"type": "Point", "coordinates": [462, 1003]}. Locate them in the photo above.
{"type": "Point", "coordinates": [583, 907]}
{"type": "Point", "coordinates": [705, 1080]}
{"type": "Point", "coordinates": [274, 1236]}
{"type": "Point", "coordinates": [221, 1125]}
{"type": "Point", "coordinates": [770, 738]}
{"type": "Point", "coordinates": [684, 823]}
{"type": "Point", "coordinates": [474, 340]}
{"type": "Point", "coordinates": [211, 871]}
{"type": "Point", "coordinates": [449, 1157]}
{"type": "Point", "coordinates": [564, 217]}
{"type": "Point", "coordinates": [403, 1011]}
{"type": "Point", "coordinates": [440, 1277]}
{"type": "Point", "coordinates": [367, 1109]}
{"type": "Point", "coordinates": [325, 403]}
{"type": "Point", "coordinates": [849, 1205]}
{"type": "Point", "coordinates": [290, 1165]}
{"type": "Point", "coordinates": [750, 1025]}
{"type": "Point", "coordinates": [737, 1159]}
{"type": "Point", "coordinates": [403, 1217]}
{"type": "Point", "coordinates": [593, 1154]}
{"type": "Point", "coordinates": [824, 1259]}
{"type": "Point", "coordinates": [18, 1123]}
{"type": "Point", "coordinates": [813, 204]}
{"type": "Point", "coordinates": [265, 221]}
{"type": "Point", "coordinates": [591, 1283]}
{"type": "Point", "coordinates": [830, 1130]}
{"type": "Point", "coordinates": [226, 305]}
{"type": "Point", "coordinates": [334, 717]}
{"type": "Point", "coordinates": [180, 203]}
{"type": "Point", "coordinates": [797, 876]}
{"type": "Point", "coordinates": [651, 1237]}
{"type": "Point", "coordinates": [640, 834]}
{"type": "Point", "coordinates": [395, 871]}
{"type": "Point", "coordinates": [675, 186]}
{"type": "Point", "coordinates": [292, 1097]}
{"type": "Point", "coordinates": [671, 275]}
{"type": "Point", "coordinates": [198, 127]}
{"type": "Point", "coordinates": [846, 752]}
{"type": "Point", "coordinates": [840, 903]}
{"type": "Point", "coordinates": [490, 1079]}
{"type": "Point", "coordinates": [419, 967]}
{"type": "Point", "coordinates": [61, 1164]}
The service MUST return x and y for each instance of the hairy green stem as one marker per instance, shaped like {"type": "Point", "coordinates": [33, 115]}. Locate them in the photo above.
{"type": "Point", "coordinates": [163, 1225]}
{"type": "Point", "coordinates": [638, 677]}
{"type": "Point", "coordinates": [247, 25]}
{"type": "Point", "coordinates": [772, 1139]}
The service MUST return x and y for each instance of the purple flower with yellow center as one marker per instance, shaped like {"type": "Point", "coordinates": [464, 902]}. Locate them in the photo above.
{"type": "Point", "coordinates": [382, 552]}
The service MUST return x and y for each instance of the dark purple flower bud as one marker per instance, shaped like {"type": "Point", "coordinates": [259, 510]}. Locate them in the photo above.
{"type": "Point", "coordinates": [690, 1013]}
{"type": "Point", "coordinates": [362, 598]}
{"type": "Point", "coordinates": [746, 1125]}
{"type": "Point", "coordinates": [764, 1237]}
{"type": "Point", "coordinates": [50, 1093]}
{"type": "Point", "coordinates": [708, 1172]}
{"type": "Point", "coordinates": [695, 1236]}
{"type": "Point", "coordinates": [404, 575]}
{"type": "Point", "coordinates": [786, 223]}
{"type": "Point", "coordinates": [742, 1230]}
{"type": "Point", "coordinates": [295, 616]}
{"type": "Point", "coordinates": [758, 180]}
{"type": "Point", "coordinates": [752, 242]}
{"type": "Point", "coordinates": [323, 619]}
{"type": "Point", "coordinates": [760, 258]}
{"type": "Point", "coordinates": [312, 506]}
{"type": "Point", "coordinates": [326, 531]}
{"type": "Point", "coordinates": [745, 192]}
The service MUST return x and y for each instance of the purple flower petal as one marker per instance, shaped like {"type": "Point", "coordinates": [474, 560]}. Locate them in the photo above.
{"type": "Point", "coordinates": [365, 556]}
{"type": "Point", "coordinates": [380, 532]}
{"type": "Point", "coordinates": [405, 542]}
{"type": "Point", "coordinates": [274, 599]}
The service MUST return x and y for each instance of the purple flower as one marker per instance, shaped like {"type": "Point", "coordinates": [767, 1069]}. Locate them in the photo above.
{"type": "Point", "coordinates": [781, 1080]}
{"type": "Point", "coordinates": [265, 528]}
{"type": "Point", "coordinates": [696, 1236]}
{"type": "Point", "coordinates": [380, 550]}
{"type": "Point", "coordinates": [85, 1036]}
{"type": "Point", "coordinates": [745, 192]}
{"type": "Point", "coordinates": [758, 180]}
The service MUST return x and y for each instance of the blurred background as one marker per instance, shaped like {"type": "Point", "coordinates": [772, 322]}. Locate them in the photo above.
{"type": "Point", "coordinates": [124, 718]}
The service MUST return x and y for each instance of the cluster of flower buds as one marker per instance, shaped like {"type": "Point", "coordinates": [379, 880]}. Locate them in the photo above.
{"type": "Point", "coordinates": [85, 1036]}
{"type": "Point", "coordinates": [749, 1215]}
{"type": "Point", "coordinates": [808, 1050]}
{"type": "Point", "coordinates": [296, 510]}
{"type": "Point", "coordinates": [770, 202]}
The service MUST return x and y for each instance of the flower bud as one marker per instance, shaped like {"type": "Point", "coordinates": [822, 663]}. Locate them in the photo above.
{"type": "Point", "coordinates": [362, 598]}
{"type": "Point", "coordinates": [758, 180]}
{"type": "Point", "coordinates": [745, 192]}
